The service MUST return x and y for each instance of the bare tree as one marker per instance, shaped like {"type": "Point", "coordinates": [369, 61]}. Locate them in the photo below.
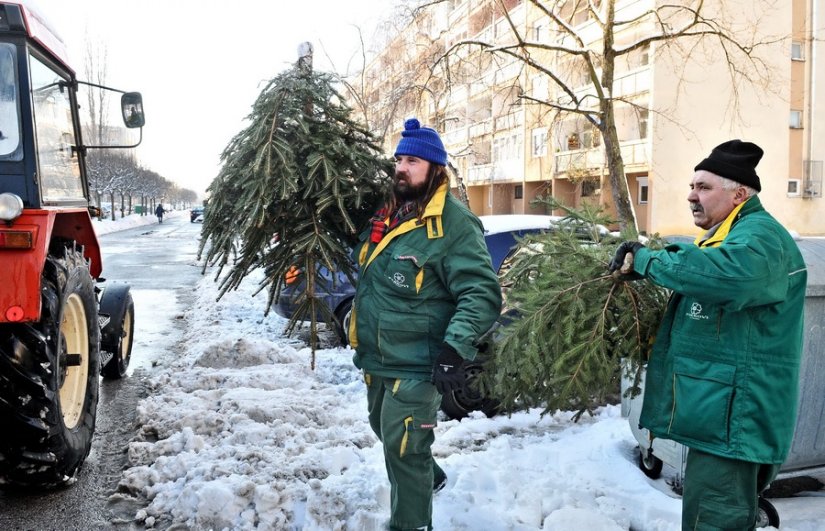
{"type": "Point", "coordinates": [581, 66]}
{"type": "Point", "coordinates": [95, 68]}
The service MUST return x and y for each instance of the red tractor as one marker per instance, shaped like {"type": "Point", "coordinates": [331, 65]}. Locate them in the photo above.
{"type": "Point", "coordinates": [59, 330]}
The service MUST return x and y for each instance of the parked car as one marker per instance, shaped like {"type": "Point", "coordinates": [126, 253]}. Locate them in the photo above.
{"type": "Point", "coordinates": [105, 212]}
{"type": "Point", "coordinates": [196, 214]}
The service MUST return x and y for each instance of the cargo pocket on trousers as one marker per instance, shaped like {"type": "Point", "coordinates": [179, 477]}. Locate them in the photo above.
{"type": "Point", "coordinates": [702, 396]}
{"type": "Point", "coordinates": [418, 433]}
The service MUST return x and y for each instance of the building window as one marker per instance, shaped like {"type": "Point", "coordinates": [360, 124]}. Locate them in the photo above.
{"type": "Point", "coordinates": [642, 189]}
{"type": "Point", "coordinates": [794, 188]}
{"type": "Point", "coordinates": [797, 51]}
{"type": "Point", "coordinates": [591, 187]}
{"type": "Point", "coordinates": [508, 148]}
{"type": "Point", "coordinates": [644, 116]}
{"type": "Point", "coordinates": [591, 138]}
{"type": "Point", "coordinates": [518, 192]}
{"type": "Point", "coordinates": [540, 87]}
{"type": "Point", "coordinates": [796, 120]}
{"type": "Point", "coordinates": [540, 142]}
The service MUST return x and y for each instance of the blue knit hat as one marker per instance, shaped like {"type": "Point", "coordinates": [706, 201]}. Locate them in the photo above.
{"type": "Point", "coordinates": [421, 142]}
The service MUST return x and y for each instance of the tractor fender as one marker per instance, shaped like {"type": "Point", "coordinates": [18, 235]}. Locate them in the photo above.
{"type": "Point", "coordinates": [113, 305]}
{"type": "Point", "coordinates": [20, 295]}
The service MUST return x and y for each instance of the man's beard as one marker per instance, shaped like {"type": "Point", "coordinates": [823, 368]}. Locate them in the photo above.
{"type": "Point", "coordinates": [404, 191]}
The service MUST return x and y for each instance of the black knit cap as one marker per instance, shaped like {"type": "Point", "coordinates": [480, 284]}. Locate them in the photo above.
{"type": "Point", "coordinates": [735, 160]}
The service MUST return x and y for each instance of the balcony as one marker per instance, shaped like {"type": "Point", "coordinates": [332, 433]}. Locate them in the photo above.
{"type": "Point", "coordinates": [579, 159]}
{"type": "Point", "coordinates": [484, 127]}
{"type": "Point", "coordinates": [497, 172]}
{"type": "Point", "coordinates": [509, 121]}
{"type": "Point", "coordinates": [455, 136]}
{"type": "Point", "coordinates": [634, 153]}
{"type": "Point", "coordinates": [480, 174]}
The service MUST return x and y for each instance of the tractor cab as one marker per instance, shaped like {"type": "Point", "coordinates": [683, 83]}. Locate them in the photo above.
{"type": "Point", "coordinates": [59, 330]}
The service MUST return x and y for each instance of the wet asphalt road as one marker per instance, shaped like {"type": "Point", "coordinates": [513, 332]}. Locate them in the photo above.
{"type": "Point", "coordinates": [158, 262]}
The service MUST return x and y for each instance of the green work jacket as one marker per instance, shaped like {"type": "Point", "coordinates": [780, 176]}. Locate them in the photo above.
{"type": "Point", "coordinates": [723, 375]}
{"type": "Point", "coordinates": [427, 282]}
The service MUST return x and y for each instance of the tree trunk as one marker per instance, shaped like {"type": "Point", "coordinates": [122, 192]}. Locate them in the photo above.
{"type": "Point", "coordinates": [462, 188]}
{"type": "Point", "coordinates": [612, 148]}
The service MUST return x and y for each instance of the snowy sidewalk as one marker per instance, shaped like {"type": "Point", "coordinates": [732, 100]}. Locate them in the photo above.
{"type": "Point", "coordinates": [240, 434]}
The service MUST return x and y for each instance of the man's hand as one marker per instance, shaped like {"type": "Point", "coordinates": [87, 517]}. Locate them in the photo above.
{"type": "Point", "coordinates": [622, 263]}
{"type": "Point", "coordinates": [448, 371]}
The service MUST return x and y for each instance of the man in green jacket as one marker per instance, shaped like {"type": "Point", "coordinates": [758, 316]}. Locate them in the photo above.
{"type": "Point", "coordinates": [426, 292]}
{"type": "Point", "coordinates": [723, 376]}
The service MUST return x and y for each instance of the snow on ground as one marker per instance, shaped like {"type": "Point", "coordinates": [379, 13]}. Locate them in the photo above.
{"type": "Point", "coordinates": [106, 226]}
{"type": "Point", "coordinates": [239, 433]}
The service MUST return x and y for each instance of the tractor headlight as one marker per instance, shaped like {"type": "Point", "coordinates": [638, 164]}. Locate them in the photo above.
{"type": "Point", "coordinates": [11, 206]}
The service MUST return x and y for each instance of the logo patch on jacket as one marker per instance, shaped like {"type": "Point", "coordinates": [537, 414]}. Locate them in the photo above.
{"type": "Point", "coordinates": [696, 312]}
{"type": "Point", "coordinates": [399, 280]}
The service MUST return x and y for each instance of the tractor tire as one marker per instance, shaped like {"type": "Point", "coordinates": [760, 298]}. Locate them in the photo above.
{"type": "Point", "coordinates": [117, 336]}
{"type": "Point", "coordinates": [49, 378]}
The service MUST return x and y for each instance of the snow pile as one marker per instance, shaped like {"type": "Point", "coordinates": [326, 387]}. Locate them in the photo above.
{"type": "Point", "coordinates": [106, 226]}
{"type": "Point", "coordinates": [240, 434]}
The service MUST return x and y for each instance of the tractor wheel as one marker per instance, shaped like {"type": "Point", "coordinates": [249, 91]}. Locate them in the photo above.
{"type": "Point", "coordinates": [116, 337]}
{"type": "Point", "coordinates": [49, 374]}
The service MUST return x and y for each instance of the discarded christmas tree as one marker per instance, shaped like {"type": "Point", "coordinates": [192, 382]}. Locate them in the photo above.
{"type": "Point", "coordinates": [570, 326]}
{"type": "Point", "coordinates": [294, 189]}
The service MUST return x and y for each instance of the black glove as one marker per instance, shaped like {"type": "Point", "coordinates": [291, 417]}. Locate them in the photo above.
{"type": "Point", "coordinates": [628, 247]}
{"type": "Point", "coordinates": [448, 371]}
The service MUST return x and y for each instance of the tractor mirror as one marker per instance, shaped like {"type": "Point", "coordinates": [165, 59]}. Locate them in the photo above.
{"type": "Point", "coordinates": [131, 104]}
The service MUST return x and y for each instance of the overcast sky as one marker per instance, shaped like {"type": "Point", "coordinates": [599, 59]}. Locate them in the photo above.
{"type": "Point", "coordinates": [200, 64]}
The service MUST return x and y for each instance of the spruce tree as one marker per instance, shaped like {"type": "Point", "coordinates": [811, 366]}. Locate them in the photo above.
{"type": "Point", "coordinates": [295, 187]}
{"type": "Point", "coordinates": [570, 328]}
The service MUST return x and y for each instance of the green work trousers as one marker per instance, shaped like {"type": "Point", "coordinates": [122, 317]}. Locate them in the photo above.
{"type": "Point", "coordinates": [721, 493]}
{"type": "Point", "coordinates": [403, 414]}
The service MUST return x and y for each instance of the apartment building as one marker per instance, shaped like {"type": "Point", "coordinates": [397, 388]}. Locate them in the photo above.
{"type": "Point", "coordinates": [673, 104]}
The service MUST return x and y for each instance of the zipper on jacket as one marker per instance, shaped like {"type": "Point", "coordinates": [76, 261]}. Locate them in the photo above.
{"type": "Point", "coordinates": [378, 342]}
{"type": "Point", "coordinates": [673, 408]}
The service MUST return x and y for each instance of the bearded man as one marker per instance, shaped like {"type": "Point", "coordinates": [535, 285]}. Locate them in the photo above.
{"type": "Point", "coordinates": [426, 292]}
